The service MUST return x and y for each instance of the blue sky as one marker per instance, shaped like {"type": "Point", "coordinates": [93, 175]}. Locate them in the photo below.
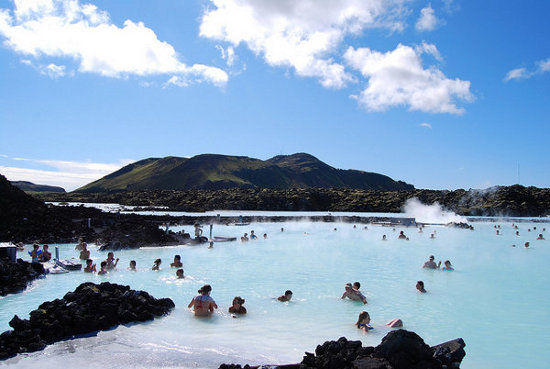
{"type": "Point", "coordinates": [442, 94]}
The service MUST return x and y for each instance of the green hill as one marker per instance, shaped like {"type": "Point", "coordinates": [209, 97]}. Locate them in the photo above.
{"type": "Point", "coordinates": [211, 171]}
{"type": "Point", "coordinates": [31, 187]}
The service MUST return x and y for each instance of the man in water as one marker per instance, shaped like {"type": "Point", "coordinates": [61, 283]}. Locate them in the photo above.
{"type": "Point", "coordinates": [430, 264]}
{"type": "Point", "coordinates": [353, 293]}
{"type": "Point", "coordinates": [401, 236]}
{"type": "Point", "coordinates": [420, 287]}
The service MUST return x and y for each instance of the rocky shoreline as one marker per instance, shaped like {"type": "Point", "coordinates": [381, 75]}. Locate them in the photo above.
{"type": "Point", "coordinates": [90, 308]}
{"type": "Point", "coordinates": [400, 349]}
{"type": "Point", "coordinates": [14, 277]}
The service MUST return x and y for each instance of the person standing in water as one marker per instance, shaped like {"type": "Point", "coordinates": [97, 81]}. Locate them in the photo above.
{"type": "Point", "coordinates": [203, 304]}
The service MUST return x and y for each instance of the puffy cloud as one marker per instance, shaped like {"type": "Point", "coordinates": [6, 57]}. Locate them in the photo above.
{"type": "Point", "coordinates": [427, 21]}
{"type": "Point", "coordinates": [82, 32]}
{"type": "Point", "coordinates": [299, 34]}
{"type": "Point", "coordinates": [398, 78]}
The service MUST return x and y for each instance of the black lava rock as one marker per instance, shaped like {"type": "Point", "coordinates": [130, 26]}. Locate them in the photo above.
{"type": "Point", "coordinates": [89, 308]}
{"type": "Point", "coordinates": [14, 277]}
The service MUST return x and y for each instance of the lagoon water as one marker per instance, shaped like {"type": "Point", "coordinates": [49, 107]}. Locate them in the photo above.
{"type": "Point", "coordinates": [496, 299]}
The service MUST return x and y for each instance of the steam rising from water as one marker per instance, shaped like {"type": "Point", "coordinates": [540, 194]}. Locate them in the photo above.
{"type": "Point", "coordinates": [430, 213]}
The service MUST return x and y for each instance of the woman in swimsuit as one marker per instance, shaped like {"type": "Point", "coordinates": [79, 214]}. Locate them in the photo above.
{"type": "Point", "coordinates": [203, 304]}
{"type": "Point", "coordinates": [363, 321]}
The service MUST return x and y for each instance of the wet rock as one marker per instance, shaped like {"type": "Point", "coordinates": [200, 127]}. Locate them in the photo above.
{"type": "Point", "coordinates": [450, 353]}
{"type": "Point", "coordinates": [89, 308]}
{"type": "Point", "coordinates": [14, 277]}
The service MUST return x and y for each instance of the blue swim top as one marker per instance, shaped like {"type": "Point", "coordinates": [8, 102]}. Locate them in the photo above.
{"type": "Point", "coordinates": [366, 326]}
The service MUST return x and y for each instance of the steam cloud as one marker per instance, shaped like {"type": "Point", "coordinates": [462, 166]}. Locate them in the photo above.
{"type": "Point", "coordinates": [430, 213]}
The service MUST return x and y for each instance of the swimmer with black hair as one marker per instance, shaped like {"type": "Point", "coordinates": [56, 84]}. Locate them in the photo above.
{"type": "Point", "coordinates": [420, 287]}
{"type": "Point", "coordinates": [177, 262]}
{"type": "Point", "coordinates": [286, 297]}
{"type": "Point", "coordinates": [103, 269]}
{"type": "Point", "coordinates": [156, 264]}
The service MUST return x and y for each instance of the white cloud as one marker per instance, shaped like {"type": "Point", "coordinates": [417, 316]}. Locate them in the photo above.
{"type": "Point", "coordinates": [299, 34]}
{"type": "Point", "coordinates": [425, 125]}
{"type": "Point", "coordinates": [227, 54]}
{"type": "Point", "coordinates": [518, 73]}
{"type": "Point", "coordinates": [82, 32]}
{"type": "Point", "coordinates": [544, 65]}
{"type": "Point", "coordinates": [67, 174]}
{"type": "Point", "coordinates": [427, 21]}
{"type": "Point", "coordinates": [397, 78]}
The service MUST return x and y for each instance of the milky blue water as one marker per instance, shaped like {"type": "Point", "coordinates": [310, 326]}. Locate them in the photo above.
{"type": "Point", "coordinates": [497, 299]}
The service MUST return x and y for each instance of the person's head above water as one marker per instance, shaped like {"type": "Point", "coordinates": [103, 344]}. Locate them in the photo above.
{"type": "Point", "coordinates": [363, 319]}
{"type": "Point", "coordinates": [356, 285]}
{"type": "Point", "coordinates": [205, 289]}
{"type": "Point", "coordinates": [179, 273]}
{"type": "Point", "coordinates": [420, 286]}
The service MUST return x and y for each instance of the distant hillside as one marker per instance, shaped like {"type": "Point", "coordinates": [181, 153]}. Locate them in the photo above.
{"type": "Point", "coordinates": [212, 172]}
{"type": "Point", "coordinates": [31, 187]}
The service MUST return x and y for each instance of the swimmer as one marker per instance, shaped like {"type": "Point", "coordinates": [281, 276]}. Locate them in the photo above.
{"type": "Point", "coordinates": [353, 294]}
{"type": "Point", "coordinates": [526, 245]}
{"type": "Point", "coordinates": [363, 321]}
{"type": "Point", "coordinates": [384, 237]}
{"type": "Point", "coordinates": [84, 252]}
{"type": "Point", "coordinates": [354, 226]}
{"type": "Point", "coordinates": [111, 262]}
{"type": "Point", "coordinates": [401, 236]}
{"type": "Point", "coordinates": [432, 235]}
{"type": "Point", "coordinates": [356, 287]}
{"type": "Point", "coordinates": [540, 237]}
{"type": "Point", "coordinates": [420, 287]}
{"type": "Point", "coordinates": [35, 253]}
{"type": "Point", "coordinates": [103, 269]}
{"type": "Point", "coordinates": [282, 229]}
{"type": "Point", "coordinates": [211, 245]}
{"type": "Point", "coordinates": [156, 264]}
{"type": "Point", "coordinates": [244, 238]}
{"type": "Point", "coordinates": [265, 236]}
{"type": "Point", "coordinates": [420, 230]}
{"type": "Point", "coordinates": [498, 232]}
{"type": "Point", "coordinates": [179, 274]}
{"type": "Point", "coordinates": [366, 228]}
{"type": "Point", "coordinates": [286, 297]}
{"type": "Point", "coordinates": [253, 236]}
{"type": "Point", "coordinates": [395, 323]}
{"type": "Point", "coordinates": [177, 262]}
{"type": "Point", "coordinates": [447, 266]}
{"type": "Point", "coordinates": [517, 233]}
{"type": "Point", "coordinates": [132, 266]}
{"type": "Point", "coordinates": [335, 229]}
{"type": "Point", "coordinates": [46, 255]}
{"type": "Point", "coordinates": [203, 304]}
{"type": "Point", "coordinates": [430, 264]}
{"type": "Point", "coordinates": [90, 266]}
{"type": "Point", "coordinates": [237, 307]}
{"type": "Point", "coordinates": [80, 245]}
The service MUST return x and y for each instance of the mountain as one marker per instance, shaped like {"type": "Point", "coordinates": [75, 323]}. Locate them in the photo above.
{"type": "Point", "coordinates": [31, 187]}
{"type": "Point", "coordinates": [212, 171]}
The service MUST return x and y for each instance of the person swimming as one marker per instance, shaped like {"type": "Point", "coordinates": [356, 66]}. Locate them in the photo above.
{"type": "Point", "coordinates": [104, 268]}
{"type": "Point", "coordinates": [430, 264]}
{"type": "Point", "coordinates": [132, 265]}
{"type": "Point", "coordinates": [447, 266]}
{"type": "Point", "coordinates": [253, 236]}
{"type": "Point", "coordinates": [395, 323]}
{"type": "Point", "coordinates": [244, 238]}
{"type": "Point", "coordinates": [237, 306]}
{"type": "Point", "coordinates": [177, 262]}
{"type": "Point", "coordinates": [90, 266]}
{"type": "Point", "coordinates": [203, 304]}
{"type": "Point", "coordinates": [540, 237]}
{"type": "Point", "coordinates": [111, 262]}
{"type": "Point", "coordinates": [420, 287]}
{"type": "Point", "coordinates": [353, 293]}
{"type": "Point", "coordinates": [84, 252]}
{"type": "Point", "coordinates": [401, 236]}
{"type": "Point", "coordinates": [46, 255]}
{"type": "Point", "coordinates": [384, 237]}
{"type": "Point", "coordinates": [35, 253]}
{"type": "Point", "coordinates": [156, 264]}
{"type": "Point", "coordinates": [286, 297]}
{"type": "Point", "coordinates": [179, 274]}
{"type": "Point", "coordinates": [363, 321]}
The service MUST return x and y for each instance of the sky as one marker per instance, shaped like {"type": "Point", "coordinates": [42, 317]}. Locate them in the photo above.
{"type": "Point", "coordinates": [441, 94]}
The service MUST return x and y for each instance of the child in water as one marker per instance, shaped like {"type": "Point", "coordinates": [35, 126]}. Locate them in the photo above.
{"type": "Point", "coordinates": [90, 266]}
{"type": "Point", "coordinates": [103, 268]}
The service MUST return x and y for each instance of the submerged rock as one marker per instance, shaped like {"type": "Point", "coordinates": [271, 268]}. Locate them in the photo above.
{"type": "Point", "coordinates": [90, 308]}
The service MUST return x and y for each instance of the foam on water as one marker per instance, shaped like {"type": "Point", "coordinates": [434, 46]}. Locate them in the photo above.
{"type": "Point", "coordinates": [496, 299]}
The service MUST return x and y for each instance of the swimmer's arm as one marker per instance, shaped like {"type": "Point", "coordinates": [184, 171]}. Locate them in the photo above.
{"type": "Point", "coordinates": [191, 303]}
{"type": "Point", "coordinates": [344, 295]}
{"type": "Point", "coordinates": [439, 264]}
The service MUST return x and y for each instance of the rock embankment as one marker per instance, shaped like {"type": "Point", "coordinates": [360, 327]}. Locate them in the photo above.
{"type": "Point", "coordinates": [90, 308]}
{"type": "Point", "coordinates": [14, 277]}
{"type": "Point", "coordinates": [399, 349]}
